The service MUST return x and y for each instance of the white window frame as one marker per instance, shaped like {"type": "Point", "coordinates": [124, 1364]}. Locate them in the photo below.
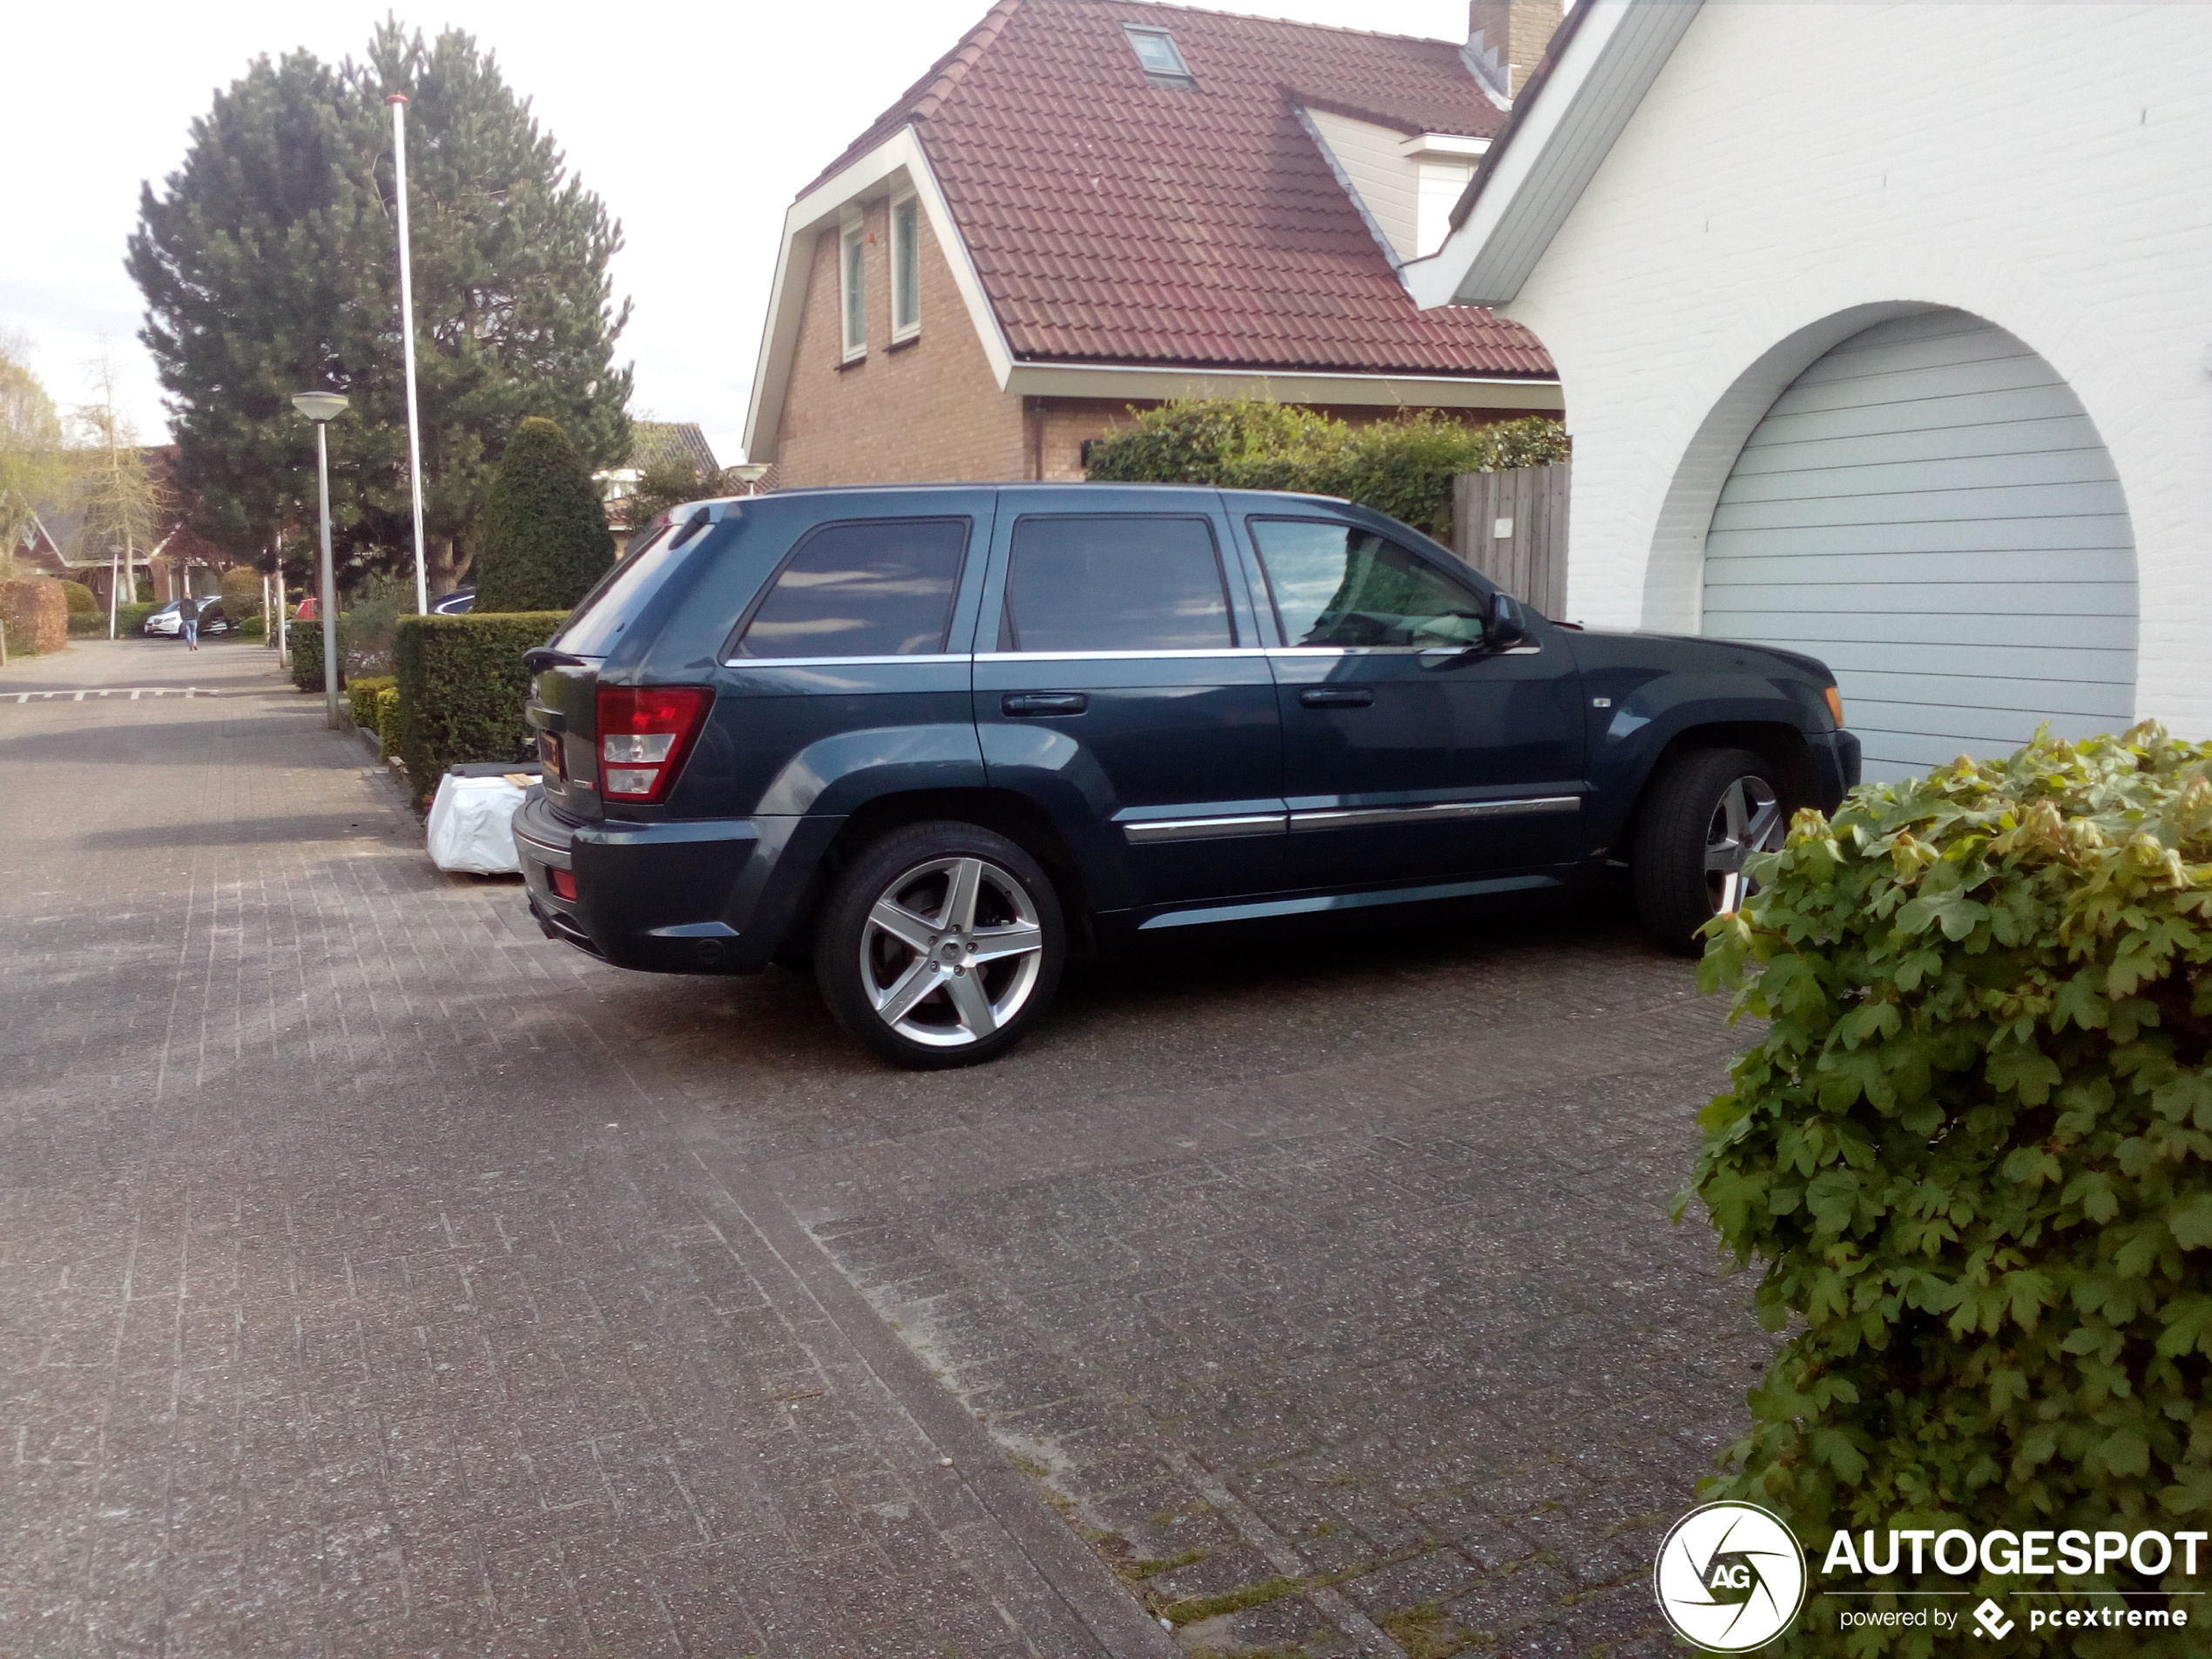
{"type": "Point", "coordinates": [909, 203]}
{"type": "Point", "coordinates": [851, 285]}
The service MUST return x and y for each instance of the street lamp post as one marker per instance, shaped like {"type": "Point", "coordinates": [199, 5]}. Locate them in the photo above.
{"type": "Point", "coordinates": [323, 408]}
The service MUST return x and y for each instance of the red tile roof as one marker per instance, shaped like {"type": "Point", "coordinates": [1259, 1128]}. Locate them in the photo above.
{"type": "Point", "coordinates": [1112, 220]}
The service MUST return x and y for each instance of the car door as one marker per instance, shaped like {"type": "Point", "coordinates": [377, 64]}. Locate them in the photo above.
{"type": "Point", "coordinates": [1129, 678]}
{"type": "Point", "coordinates": [1410, 748]}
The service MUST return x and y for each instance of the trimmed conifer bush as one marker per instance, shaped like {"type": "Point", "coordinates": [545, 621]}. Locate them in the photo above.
{"type": "Point", "coordinates": [306, 656]}
{"type": "Point", "coordinates": [80, 599]}
{"type": "Point", "coordinates": [545, 539]}
{"type": "Point", "coordinates": [1973, 1153]}
{"type": "Point", "coordinates": [461, 685]}
{"type": "Point", "coordinates": [1403, 466]}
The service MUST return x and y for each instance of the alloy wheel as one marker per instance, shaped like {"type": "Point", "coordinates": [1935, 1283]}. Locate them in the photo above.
{"type": "Point", "coordinates": [951, 951]}
{"type": "Point", "coordinates": [1746, 820]}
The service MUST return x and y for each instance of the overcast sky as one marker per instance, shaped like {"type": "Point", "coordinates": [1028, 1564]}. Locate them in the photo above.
{"type": "Point", "coordinates": [696, 123]}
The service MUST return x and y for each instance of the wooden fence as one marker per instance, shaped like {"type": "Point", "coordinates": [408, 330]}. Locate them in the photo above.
{"type": "Point", "coordinates": [1512, 526]}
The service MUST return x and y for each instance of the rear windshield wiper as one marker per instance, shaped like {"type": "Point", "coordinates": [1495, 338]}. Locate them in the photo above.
{"type": "Point", "coordinates": [539, 657]}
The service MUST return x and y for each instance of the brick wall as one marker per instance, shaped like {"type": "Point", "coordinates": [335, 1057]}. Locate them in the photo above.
{"type": "Point", "coordinates": [1795, 164]}
{"type": "Point", "coordinates": [928, 408]}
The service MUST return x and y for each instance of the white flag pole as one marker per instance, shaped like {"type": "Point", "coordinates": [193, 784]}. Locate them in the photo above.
{"type": "Point", "coordinates": [398, 101]}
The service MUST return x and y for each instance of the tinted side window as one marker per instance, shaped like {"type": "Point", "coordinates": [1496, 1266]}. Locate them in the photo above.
{"type": "Point", "coordinates": [1335, 585]}
{"type": "Point", "coordinates": [883, 588]}
{"type": "Point", "coordinates": [1124, 582]}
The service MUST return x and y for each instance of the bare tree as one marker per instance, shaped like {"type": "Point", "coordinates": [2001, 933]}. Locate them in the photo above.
{"type": "Point", "coordinates": [121, 500]}
{"type": "Point", "coordinates": [33, 468]}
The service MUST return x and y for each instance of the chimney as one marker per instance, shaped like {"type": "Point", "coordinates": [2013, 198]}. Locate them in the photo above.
{"type": "Point", "coordinates": [1505, 41]}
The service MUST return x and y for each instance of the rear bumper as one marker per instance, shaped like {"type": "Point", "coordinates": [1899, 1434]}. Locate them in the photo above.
{"type": "Point", "coordinates": [692, 896]}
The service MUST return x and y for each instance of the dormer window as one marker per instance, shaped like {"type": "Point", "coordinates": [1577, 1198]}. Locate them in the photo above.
{"type": "Point", "coordinates": [1163, 64]}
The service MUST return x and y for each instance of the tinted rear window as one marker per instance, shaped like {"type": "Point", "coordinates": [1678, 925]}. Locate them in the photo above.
{"type": "Point", "coordinates": [883, 588]}
{"type": "Point", "coordinates": [621, 593]}
{"type": "Point", "coordinates": [1126, 583]}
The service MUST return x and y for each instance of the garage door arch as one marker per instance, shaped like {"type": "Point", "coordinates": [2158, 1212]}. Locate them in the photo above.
{"type": "Point", "coordinates": [1927, 506]}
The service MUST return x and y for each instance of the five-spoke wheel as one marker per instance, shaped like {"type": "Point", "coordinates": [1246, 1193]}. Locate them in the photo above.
{"type": "Point", "coordinates": [1709, 811]}
{"type": "Point", "coordinates": [940, 944]}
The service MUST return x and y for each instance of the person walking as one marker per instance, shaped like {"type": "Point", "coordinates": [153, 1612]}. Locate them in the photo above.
{"type": "Point", "coordinates": [188, 621]}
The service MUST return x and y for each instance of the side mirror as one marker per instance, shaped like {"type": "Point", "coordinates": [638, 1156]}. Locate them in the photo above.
{"type": "Point", "coordinates": [1508, 626]}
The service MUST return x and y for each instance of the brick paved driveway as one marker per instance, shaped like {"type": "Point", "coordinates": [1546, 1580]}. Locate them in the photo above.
{"type": "Point", "coordinates": [377, 1277]}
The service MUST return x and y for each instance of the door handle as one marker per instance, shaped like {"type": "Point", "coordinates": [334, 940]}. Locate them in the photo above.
{"type": "Point", "coordinates": [1336, 697]}
{"type": "Point", "coordinates": [1045, 702]}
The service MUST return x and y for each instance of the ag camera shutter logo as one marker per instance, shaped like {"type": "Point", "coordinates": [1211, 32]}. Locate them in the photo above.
{"type": "Point", "coordinates": [1730, 1577]}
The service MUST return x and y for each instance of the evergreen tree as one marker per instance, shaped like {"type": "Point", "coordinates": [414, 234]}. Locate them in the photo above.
{"type": "Point", "coordinates": [546, 537]}
{"type": "Point", "coordinates": [268, 263]}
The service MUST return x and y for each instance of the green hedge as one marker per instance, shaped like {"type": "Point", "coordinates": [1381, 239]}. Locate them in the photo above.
{"type": "Point", "coordinates": [387, 721]}
{"type": "Point", "coordinates": [461, 685]}
{"type": "Point", "coordinates": [81, 599]}
{"type": "Point", "coordinates": [1973, 1150]}
{"type": "Point", "coordinates": [361, 697]}
{"type": "Point", "coordinates": [131, 617]}
{"type": "Point", "coordinates": [306, 656]}
{"type": "Point", "coordinates": [88, 624]}
{"type": "Point", "coordinates": [1403, 466]}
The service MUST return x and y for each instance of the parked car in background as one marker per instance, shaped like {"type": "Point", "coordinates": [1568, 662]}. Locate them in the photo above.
{"type": "Point", "coordinates": [459, 602]}
{"type": "Point", "coordinates": [936, 738]}
{"type": "Point", "coordinates": [165, 623]}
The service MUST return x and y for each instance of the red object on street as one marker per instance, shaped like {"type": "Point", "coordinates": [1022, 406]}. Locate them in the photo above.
{"type": "Point", "coordinates": [644, 732]}
{"type": "Point", "coordinates": [563, 883]}
{"type": "Point", "coordinates": [307, 610]}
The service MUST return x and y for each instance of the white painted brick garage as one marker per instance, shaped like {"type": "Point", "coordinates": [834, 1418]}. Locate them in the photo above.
{"type": "Point", "coordinates": [1796, 172]}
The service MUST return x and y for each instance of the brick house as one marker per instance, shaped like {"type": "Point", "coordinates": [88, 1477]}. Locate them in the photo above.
{"type": "Point", "coordinates": [1088, 205]}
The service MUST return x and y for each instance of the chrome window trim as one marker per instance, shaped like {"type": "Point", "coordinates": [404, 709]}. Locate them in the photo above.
{"type": "Point", "coordinates": [847, 662]}
{"type": "Point", "coordinates": [1394, 651]}
{"type": "Point", "coordinates": [1116, 656]}
{"type": "Point", "coordinates": [1142, 832]}
{"type": "Point", "coordinates": [1330, 818]}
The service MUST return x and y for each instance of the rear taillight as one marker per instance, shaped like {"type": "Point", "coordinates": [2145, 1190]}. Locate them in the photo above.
{"type": "Point", "coordinates": [644, 732]}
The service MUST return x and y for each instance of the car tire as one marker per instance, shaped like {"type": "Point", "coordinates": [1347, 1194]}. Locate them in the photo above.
{"type": "Point", "coordinates": [1706, 812]}
{"type": "Point", "coordinates": [941, 946]}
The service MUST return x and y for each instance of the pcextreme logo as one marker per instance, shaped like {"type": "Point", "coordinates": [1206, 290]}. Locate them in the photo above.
{"type": "Point", "coordinates": [1730, 1577]}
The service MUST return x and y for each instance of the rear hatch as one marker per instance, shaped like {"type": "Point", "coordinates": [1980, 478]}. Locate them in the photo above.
{"type": "Point", "coordinates": [562, 706]}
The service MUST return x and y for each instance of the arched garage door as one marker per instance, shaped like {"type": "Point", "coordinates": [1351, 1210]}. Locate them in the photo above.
{"type": "Point", "coordinates": [1928, 509]}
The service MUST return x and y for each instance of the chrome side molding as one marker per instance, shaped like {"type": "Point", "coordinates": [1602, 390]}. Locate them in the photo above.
{"type": "Point", "coordinates": [1331, 818]}
{"type": "Point", "coordinates": [1149, 831]}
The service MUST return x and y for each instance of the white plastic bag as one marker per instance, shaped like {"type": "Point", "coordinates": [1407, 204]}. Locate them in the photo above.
{"type": "Point", "coordinates": [472, 826]}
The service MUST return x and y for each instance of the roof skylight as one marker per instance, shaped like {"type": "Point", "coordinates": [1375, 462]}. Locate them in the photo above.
{"type": "Point", "coordinates": [1155, 49]}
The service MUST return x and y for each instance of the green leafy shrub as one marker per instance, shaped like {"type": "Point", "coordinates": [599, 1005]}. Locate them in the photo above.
{"type": "Point", "coordinates": [131, 617]}
{"type": "Point", "coordinates": [461, 685]}
{"type": "Point", "coordinates": [361, 697]}
{"type": "Point", "coordinates": [1403, 466]}
{"type": "Point", "coordinates": [387, 721]}
{"type": "Point", "coordinates": [370, 622]}
{"type": "Point", "coordinates": [91, 624]}
{"type": "Point", "coordinates": [241, 593]}
{"type": "Point", "coordinates": [80, 599]}
{"type": "Point", "coordinates": [546, 537]}
{"type": "Point", "coordinates": [1973, 1151]}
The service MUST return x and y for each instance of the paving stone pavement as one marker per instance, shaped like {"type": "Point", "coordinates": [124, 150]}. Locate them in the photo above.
{"type": "Point", "coordinates": [376, 1277]}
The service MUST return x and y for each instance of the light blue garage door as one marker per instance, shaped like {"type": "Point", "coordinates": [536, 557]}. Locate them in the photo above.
{"type": "Point", "coordinates": [1928, 509]}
